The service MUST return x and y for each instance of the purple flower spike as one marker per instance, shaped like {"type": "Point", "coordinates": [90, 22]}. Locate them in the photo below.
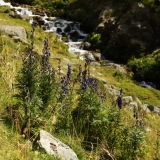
{"type": "Point", "coordinates": [88, 61]}
{"type": "Point", "coordinates": [80, 69]}
{"type": "Point", "coordinates": [63, 83]}
{"type": "Point", "coordinates": [69, 73]}
{"type": "Point", "coordinates": [93, 83]}
{"type": "Point", "coordinates": [84, 85]}
{"type": "Point", "coordinates": [119, 102]}
{"type": "Point", "coordinates": [135, 115]}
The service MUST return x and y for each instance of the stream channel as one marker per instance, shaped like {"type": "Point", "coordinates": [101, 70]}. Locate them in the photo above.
{"type": "Point", "coordinates": [70, 30]}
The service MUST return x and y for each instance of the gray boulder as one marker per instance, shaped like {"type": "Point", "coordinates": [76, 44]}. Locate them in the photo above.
{"type": "Point", "coordinates": [145, 108]}
{"type": "Point", "coordinates": [127, 100]}
{"type": "Point", "coordinates": [133, 106]}
{"type": "Point", "coordinates": [13, 31]}
{"type": "Point", "coordinates": [156, 110]}
{"type": "Point", "coordinates": [55, 147]}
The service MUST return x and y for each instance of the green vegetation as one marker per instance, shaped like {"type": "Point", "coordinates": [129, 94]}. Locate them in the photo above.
{"type": "Point", "coordinates": [69, 101]}
{"type": "Point", "coordinates": [146, 68]}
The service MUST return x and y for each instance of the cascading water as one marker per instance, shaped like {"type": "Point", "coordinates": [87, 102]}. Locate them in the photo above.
{"type": "Point", "coordinates": [2, 3]}
{"type": "Point", "coordinates": [68, 29]}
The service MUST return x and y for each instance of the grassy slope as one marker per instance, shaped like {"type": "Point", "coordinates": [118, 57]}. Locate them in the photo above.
{"type": "Point", "coordinates": [9, 67]}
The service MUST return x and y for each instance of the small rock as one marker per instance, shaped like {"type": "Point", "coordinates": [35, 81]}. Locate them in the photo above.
{"type": "Point", "coordinates": [55, 147]}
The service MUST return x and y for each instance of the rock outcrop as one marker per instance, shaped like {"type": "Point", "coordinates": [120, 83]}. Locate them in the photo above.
{"type": "Point", "coordinates": [134, 30]}
{"type": "Point", "coordinates": [127, 28]}
{"type": "Point", "coordinates": [55, 147]}
{"type": "Point", "coordinates": [17, 33]}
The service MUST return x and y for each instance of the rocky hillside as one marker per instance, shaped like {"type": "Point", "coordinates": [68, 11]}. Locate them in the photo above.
{"type": "Point", "coordinates": [126, 28]}
{"type": "Point", "coordinates": [89, 121]}
{"type": "Point", "coordinates": [122, 30]}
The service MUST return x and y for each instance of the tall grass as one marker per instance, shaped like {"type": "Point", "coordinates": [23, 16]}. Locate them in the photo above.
{"type": "Point", "coordinates": [77, 112]}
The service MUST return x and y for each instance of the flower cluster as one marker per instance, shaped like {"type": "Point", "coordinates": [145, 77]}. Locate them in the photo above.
{"type": "Point", "coordinates": [84, 84]}
{"type": "Point", "coordinates": [64, 86]}
{"type": "Point", "coordinates": [119, 102]}
{"type": "Point", "coordinates": [88, 61]}
{"type": "Point", "coordinates": [46, 54]}
{"type": "Point", "coordinates": [139, 122]}
{"type": "Point", "coordinates": [93, 83]}
{"type": "Point", "coordinates": [69, 73]}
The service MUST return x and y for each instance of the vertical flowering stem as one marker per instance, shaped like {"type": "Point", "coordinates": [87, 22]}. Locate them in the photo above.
{"type": "Point", "coordinates": [119, 102]}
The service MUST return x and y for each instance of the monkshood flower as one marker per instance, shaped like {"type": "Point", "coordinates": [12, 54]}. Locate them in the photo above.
{"type": "Point", "coordinates": [59, 66]}
{"type": "Point", "coordinates": [88, 61]}
{"type": "Point", "coordinates": [69, 73]}
{"type": "Point", "coordinates": [84, 75]}
{"type": "Point", "coordinates": [119, 102]}
{"type": "Point", "coordinates": [79, 76]}
{"type": "Point", "coordinates": [46, 49]}
{"type": "Point", "coordinates": [45, 56]}
{"type": "Point", "coordinates": [64, 86]}
{"type": "Point", "coordinates": [93, 83]}
{"type": "Point", "coordinates": [46, 43]}
{"type": "Point", "coordinates": [84, 84]}
{"type": "Point", "coordinates": [135, 115]}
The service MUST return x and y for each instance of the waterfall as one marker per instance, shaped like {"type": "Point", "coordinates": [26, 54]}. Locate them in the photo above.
{"type": "Point", "coordinates": [62, 28]}
{"type": "Point", "coordinates": [2, 3]}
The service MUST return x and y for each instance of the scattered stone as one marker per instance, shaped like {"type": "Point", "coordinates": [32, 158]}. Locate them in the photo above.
{"type": "Point", "coordinates": [55, 147]}
{"type": "Point", "coordinates": [14, 31]}
{"type": "Point", "coordinates": [127, 100]}
{"type": "Point", "coordinates": [133, 106]}
{"type": "Point", "coordinates": [150, 107]}
{"type": "Point", "coordinates": [145, 108]}
{"type": "Point", "coordinates": [95, 64]}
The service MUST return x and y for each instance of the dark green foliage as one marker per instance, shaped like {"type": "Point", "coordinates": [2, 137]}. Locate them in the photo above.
{"type": "Point", "coordinates": [88, 115]}
{"type": "Point", "coordinates": [95, 40]}
{"type": "Point", "coordinates": [157, 147]}
{"type": "Point", "coordinates": [1, 43]}
{"type": "Point", "coordinates": [132, 143]}
{"type": "Point", "coordinates": [23, 1]}
{"type": "Point", "coordinates": [47, 78]}
{"type": "Point", "coordinates": [143, 69]}
{"type": "Point", "coordinates": [27, 87]}
{"type": "Point", "coordinates": [113, 128]}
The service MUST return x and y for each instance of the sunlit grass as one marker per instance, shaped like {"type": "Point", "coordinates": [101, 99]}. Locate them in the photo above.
{"type": "Point", "coordinates": [9, 67]}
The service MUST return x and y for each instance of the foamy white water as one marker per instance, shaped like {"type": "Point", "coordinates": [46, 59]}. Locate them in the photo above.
{"type": "Point", "coordinates": [61, 27]}
{"type": "Point", "coordinates": [2, 3]}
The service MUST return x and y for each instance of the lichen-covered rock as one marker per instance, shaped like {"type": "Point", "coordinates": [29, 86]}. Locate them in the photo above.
{"type": "Point", "coordinates": [14, 31]}
{"type": "Point", "coordinates": [127, 100]}
{"type": "Point", "coordinates": [55, 147]}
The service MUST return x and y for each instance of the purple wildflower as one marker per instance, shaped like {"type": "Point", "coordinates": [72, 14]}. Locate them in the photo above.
{"type": "Point", "coordinates": [84, 84]}
{"type": "Point", "coordinates": [93, 83]}
{"type": "Point", "coordinates": [119, 102]}
{"type": "Point", "coordinates": [64, 86]}
{"type": "Point", "coordinates": [46, 54]}
{"type": "Point", "coordinates": [69, 73]}
{"type": "Point", "coordinates": [88, 61]}
{"type": "Point", "coordinates": [135, 115]}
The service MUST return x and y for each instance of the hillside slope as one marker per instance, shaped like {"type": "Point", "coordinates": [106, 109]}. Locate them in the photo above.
{"type": "Point", "coordinates": [10, 63]}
